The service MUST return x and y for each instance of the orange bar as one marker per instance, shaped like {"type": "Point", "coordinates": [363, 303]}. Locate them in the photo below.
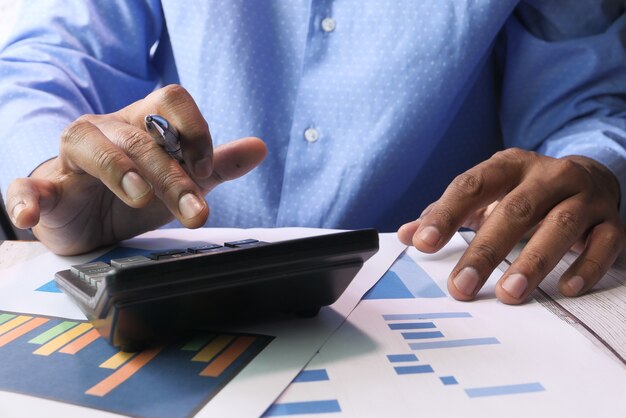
{"type": "Point", "coordinates": [123, 373]}
{"type": "Point", "coordinates": [81, 342]}
{"type": "Point", "coordinates": [227, 358]}
{"type": "Point", "coordinates": [14, 323]}
{"type": "Point", "coordinates": [21, 330]}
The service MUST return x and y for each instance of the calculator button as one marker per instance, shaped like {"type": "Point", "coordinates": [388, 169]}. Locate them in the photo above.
{"type": "Point", "coordinates": [90, 269]}
{"type": "Point", "coordinates": [167, 254]}
{"type": "Point", "coordinates": [205, 248]}
{"type": "Point", "coordinates": [130, 261]}
{"type": "Point", "coordinates": [242, 243]}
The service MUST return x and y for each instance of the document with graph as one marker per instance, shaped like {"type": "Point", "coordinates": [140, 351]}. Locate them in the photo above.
{"type": "Point", "coordinates": [408, 349]}
{"type": "Point", "coordinates": [54, 363]}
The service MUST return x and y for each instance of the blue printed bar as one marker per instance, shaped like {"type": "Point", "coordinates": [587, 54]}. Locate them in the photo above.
{"type": "Point", "coordinates": [421, 335]}
{"type": "Point", "coordinates": [398, 358]}
{"type": "Point", "coordinates": [504, 390]}
{"type": "Point", "coordinates": [448, 380]}
{"type": "Point", "coordinates": [453, 343]}
{"type": "Point", "coordinates": [412, 325]}
{"type": "Point", "coordinates": [421, 368]}
{"type": "Point", "coordinates": [432, 315]}
{"type": "Point", "coordinates": [317, 375]}
{"type": "Point", "coordinates": [301, 408]}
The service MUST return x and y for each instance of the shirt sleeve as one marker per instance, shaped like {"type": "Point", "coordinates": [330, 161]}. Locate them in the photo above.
{"type": "Point", "coordinates": [564, 81]}
{"type": "Point", "coordinates": [64, 59]}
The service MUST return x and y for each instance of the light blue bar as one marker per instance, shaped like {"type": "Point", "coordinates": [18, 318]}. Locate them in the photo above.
{"type": "Point", "coordinates": [421, 368]}
{"type": "Point", "coordinates": [416, 280]}
{"type": "Point", "coordinates": [433, 315]}
{"type": "Point", "coordinates": [296, 408]}
{"type": "Point", "coordinates": [453, 343]}
{"type": "Point", "coordinates": [504, 390]}
{"type": "Point", "coordinates": [412, 325]}
{"type": "Point", "coordinates": [316, 375]}
{"type": "Point", "coordinates": [398, 358]}
{"type": "Point", "coordinates": [421, 335]}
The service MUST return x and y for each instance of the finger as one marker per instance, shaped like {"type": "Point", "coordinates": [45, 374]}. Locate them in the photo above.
{"type": "Point", "coordinates": [470, 191]}
{"type": "Point", "coordinates": [604, 244]}
{"type": "Point", "coordinates": [176, 104]}
{"type": "Point", "coordinates": [559, 230]}
{"type": "Point", "coordinates": [517, 213]}
{"type": "Point", "coordinates": [84, 148]}
{"type": "Point", "coordinates": [407, 231]}
{"type": "Point", "coordinates": [28, 199]}
{"type": "Point", "coordinates": [170, 182]}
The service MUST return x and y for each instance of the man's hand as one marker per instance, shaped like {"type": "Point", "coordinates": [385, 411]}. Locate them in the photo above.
{"type": "Point", "coordinates": [111, 181]}
{"type": "Point", "coordinates": [562, 202]}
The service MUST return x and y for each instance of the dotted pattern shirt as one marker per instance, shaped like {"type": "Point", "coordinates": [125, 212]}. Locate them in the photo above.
{"type": "Point", "coordinates": [369, 108]}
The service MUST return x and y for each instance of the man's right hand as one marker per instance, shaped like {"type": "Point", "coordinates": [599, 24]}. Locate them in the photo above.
{"type": "Point", "coordinates": [111, 181]}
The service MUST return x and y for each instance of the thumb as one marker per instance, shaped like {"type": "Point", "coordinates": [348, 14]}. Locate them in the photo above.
{"type": "Point", "coordinates": [28, 198]}
{"type": "Point", "coordinates": [234, 159]}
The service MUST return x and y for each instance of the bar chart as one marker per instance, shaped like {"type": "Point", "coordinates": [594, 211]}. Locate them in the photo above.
{"type": "Point", "coordinates": [420, 332]}
{"type": "Point", "coordinates": [67, 360]}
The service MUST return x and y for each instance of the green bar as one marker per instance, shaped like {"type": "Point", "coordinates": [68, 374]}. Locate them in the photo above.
{"type": "Point", "coordinates": [197, 342]}
{"type": "Point", "coordinates": [5, 317]}
{"type": "Point", "coordinates": [53, 332]}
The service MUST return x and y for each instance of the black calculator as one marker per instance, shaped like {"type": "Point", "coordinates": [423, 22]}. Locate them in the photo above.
{"type": "Point", "coordinates": [139, 300]}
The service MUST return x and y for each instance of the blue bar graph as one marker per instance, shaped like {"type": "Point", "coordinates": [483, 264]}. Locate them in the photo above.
{"type": "Point", "coordinates": [316, 375]}
{"type": "Point", "coordinates": [421, 335]}
{"type": "Point", "coordinates": [405, 280]}
{"type": "Point", "coordinates": [428, 315]}
{"type": "Point", "coordinates": [412, 325]}
{"type": "Point", "coordinates": [298, 408]}
{"type": "Point", "coordinates": [504, 390]}
{"type": "Point", "coordinates": [399, 358]}
{"type": "Point", "coordinates": [417, 369]}
{"type": "Point", "coordinates": [453, 343]}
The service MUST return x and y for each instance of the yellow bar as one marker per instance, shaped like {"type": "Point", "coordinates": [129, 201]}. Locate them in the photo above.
{"type": "Point", "coordinates": [117, 360]}
{"type": "Point", "coordinates": [213, 348]}
{"type": "Point", "coordinates": [61, 340]}
{"type": "Point", "coordinates": [14, 323]}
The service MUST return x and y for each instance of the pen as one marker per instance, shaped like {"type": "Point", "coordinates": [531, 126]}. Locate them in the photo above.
{"type": "Point", "coordinates": [165, 135]}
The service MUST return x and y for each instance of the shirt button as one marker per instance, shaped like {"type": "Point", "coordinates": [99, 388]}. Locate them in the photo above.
{"type": "Point", "coordinates": [328, 24]}
{"type": "Point", "coordinates": [311, 135]}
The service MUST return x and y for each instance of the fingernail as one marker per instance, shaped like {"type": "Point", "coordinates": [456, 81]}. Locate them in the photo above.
{"type": "Point", "coordinates": [17, 209]}
{"type": "Point", "coordinates": [203, 168]}
{"type": "Point", "coordinates": [466, 281]}
{"type": "Point", "coordinates": [190, 205]}
{"type": "Point", "coordinates": [576, 284]}
{"type": "Point", "coordinates": [134, 185]}
{"type": "Point", "coordinates": [515, 285]}
{"type": "Point", "coordinates": [430, 235]}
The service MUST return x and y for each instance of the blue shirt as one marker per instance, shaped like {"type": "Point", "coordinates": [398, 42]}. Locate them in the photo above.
{"type": "Point", "coordinates": [369, 108]}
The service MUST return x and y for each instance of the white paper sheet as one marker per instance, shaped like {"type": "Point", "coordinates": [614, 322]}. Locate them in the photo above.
{"type": "Point", "coordinates": [408, 350]}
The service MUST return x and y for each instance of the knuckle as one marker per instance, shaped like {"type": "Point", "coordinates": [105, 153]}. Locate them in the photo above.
{"type": "Point", "coordinates": [593, 267]}
{"type": "Point", "coordinates": [169, 180]}
{"type": "Point", "coordinates": [486, 254]}
{"type": "Point", "coordinates": [518, 207]}
{"type": "Point", "coordinates": [537, 260]}
{"type": "Point", "coordinates": [566, 221]}
{"type": "Point", "coordinates": [173, 95]}
{"type": "Point", "coordinates": [108, 160]}
{"type": "Point", "coordinates": [76, 131]}
{"type": "Point", "coordinates": [469, 184]}
{"type": "Point", "coordinates": [512, 154]}
{"type": "Point", "coordinates": [613, 240]}
{"type": "Point", "coordinates": [134, 142]}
